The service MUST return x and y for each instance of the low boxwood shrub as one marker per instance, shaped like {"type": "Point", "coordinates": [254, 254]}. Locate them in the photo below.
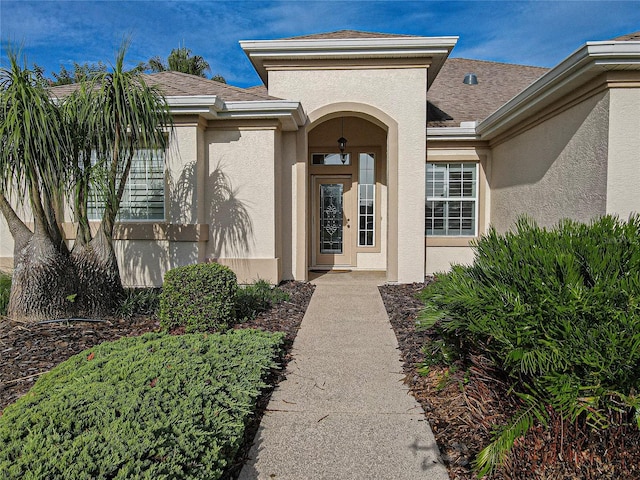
{"type": "Point", "coordinates": [199, 297]}
{"type": "Point", "coordinates": [5, 290]}
{"type": "Point", "coordinates": [559, 311]}
{"type": "Point", "coordinates": [153, 407]}
{"type": "Point", "coordinates": [256, 298]}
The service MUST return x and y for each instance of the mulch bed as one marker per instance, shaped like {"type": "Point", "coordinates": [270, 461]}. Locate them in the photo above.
{"type": "Point", "coordinates": [29, 350]}
{"type": "Point", "coordinates": [463, 404]}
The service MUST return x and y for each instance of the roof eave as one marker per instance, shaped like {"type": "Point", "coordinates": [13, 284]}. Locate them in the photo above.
{"type": "Point", "coordinates": [584, 64]}
{"type": "Point", "coordinates": [437, 48]}
{"type": "Point", "coordinates": [289, 113]}
{"type": "Point", "coordinates": [452, 133]}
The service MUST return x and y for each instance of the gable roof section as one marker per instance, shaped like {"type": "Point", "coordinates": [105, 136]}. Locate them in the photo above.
{"type": "Point", "coordinates": [451, 102]}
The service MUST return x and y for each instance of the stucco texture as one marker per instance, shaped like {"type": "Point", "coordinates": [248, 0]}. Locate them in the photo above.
{"type": "Point", "coordinates": [381, 94]}
{"type": "Point", "coordinates": [623, 175]}
{"type": "Point", "coordinates": [555, 170]}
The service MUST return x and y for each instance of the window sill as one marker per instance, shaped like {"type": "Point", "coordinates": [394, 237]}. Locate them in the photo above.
{"type": "Point", "coordinates": [148, 230]}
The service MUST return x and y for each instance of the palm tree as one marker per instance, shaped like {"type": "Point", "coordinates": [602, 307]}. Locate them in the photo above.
{"type": "Point", "coordinates": [125, 115]}
{"type": "Point", "coordinates": [54, 150]}
{"type": "Point", "coordinates": [181, 60]}
{"type": "Point", "coordinates": [33, 165]}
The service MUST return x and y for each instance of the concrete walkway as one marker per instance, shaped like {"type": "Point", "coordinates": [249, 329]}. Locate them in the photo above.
{"type": "Point", "coordinates": [343, 411]}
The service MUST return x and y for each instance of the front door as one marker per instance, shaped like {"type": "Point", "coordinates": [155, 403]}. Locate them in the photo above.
{"type": "Point", "coordinates": [331, 219]}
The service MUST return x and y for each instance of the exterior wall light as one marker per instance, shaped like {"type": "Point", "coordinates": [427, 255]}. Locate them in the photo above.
{"type": "Point", "coordinates": [342, 143]}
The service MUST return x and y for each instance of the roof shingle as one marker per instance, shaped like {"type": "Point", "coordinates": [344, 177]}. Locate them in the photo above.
{"type": "Point", "coordinates": [345, 34]}
{"type": "Point", "coordinates": [184, 85]}
{"type": "Point", "coordinates": [452, 101]}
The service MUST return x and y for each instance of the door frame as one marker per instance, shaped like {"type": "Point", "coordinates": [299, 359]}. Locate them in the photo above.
{"type": "Point", "coordinates": [346, 259]}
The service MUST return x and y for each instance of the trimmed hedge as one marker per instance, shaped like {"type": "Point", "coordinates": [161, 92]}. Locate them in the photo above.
{"type": "Point", "coordinates": [559, 311]}
{"type": "Point", "coordinates": [199, 297]}
{"type": "Point", "coordinates": [152, 407]}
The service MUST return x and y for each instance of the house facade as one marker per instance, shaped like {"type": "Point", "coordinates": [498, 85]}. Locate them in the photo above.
{"type": "Point", "coordinates": [367, 151]}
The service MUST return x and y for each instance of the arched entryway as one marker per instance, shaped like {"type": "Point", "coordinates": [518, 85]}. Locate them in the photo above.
{"type": "Point", "coordinates": [348, 193]}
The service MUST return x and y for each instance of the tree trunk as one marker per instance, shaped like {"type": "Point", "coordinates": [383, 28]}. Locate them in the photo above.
{"type": "Point", "coordinates": [44, 284]}
{"type": "Point", "coordinates": [100, 288]}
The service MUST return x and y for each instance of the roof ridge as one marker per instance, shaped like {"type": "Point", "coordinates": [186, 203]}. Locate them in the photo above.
{"type": "Point", "coordinates": [347, 33]}
{"type": "Point", "coordinates": [496, 62]}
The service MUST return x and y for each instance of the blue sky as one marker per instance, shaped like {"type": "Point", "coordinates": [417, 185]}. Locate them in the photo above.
{"type": "Point", "coordinates": [542, 33]}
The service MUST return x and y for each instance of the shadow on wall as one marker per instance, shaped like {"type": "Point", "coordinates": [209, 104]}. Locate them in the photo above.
{"type": "Point", "coordinates": [144, 261]}
{"type": "Point", "coordinates": [230, 225]}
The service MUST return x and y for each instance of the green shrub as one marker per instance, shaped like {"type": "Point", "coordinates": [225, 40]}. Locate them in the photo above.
{"type": "Point", "coordinates": [140, 301]}
{"type": "Point", "coordinates": [559, 311]}
{"type": "Point", "coordinates": [199, 297]}
{"type": "Point", "coordinates": [150, 407]}
{"type": "Point", "coordinates": [256, 298]}
{"type": "Point", "coordinates": [5, 289]}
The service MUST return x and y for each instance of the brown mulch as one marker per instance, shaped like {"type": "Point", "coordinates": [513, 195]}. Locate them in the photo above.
{"type": "Point", "coordinates": [464, 402]}
{"type": "Point", "coordinates": [29, 350]}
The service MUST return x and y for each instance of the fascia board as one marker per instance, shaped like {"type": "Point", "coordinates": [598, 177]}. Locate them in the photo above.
{"type": "Point", "coordinates": [206, 105]}
{"type": "Point", "coordinates": [289, 113]}
{"type": "Point", "coordinates": [578, 68]}
{"type": "Point", "coordinates": [452, 133]}
{"type": "Point", "coordinates": [399, 47]}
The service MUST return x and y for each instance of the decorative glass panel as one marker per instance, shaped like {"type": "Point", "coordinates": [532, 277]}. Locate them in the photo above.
{"type": "Point", "coordinates": [331, 229]}
{"type": "Point", "coordinates": [451, 199]}
{"type": "Point", "coordinates": [331, 159]}
{"type": "Point", "coordinates": [366, 200]}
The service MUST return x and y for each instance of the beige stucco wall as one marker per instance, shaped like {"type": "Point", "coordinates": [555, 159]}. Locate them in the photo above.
{"type": "Point", "coordinates": [380, 90]}
{"type": "Point", "coordinates": [555, 170]}
{"type": "Point", "coordinates": [440, 259]}
{"type": "Point", "coordinates": [623, 172]}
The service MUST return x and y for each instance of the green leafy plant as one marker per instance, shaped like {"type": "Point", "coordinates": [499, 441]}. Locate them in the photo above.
{"type": "Point", "coordinates": [256, 298]}
{"type": "Point", "coordinates": [140, 301]}
{"type": "Point", "coordinates": [559, 311]}
{"type": "Point", "coordinates": [5, 290]}
{"type": "Point", "coordinates": [199, 297]}
{"type": "Point", "coordinates": [151, 407]}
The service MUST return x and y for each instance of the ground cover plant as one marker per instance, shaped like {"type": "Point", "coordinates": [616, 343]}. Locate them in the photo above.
{"type": "Point", "coordinates": [255, 298]}
{"type": "Point", "coordinates": [558, 313]}
{"type": "Point", "coordinates": [155, 406]}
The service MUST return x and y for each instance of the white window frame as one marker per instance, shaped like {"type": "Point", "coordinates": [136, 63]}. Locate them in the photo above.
{"type": "Point", "coordinates": [446, 199]}
{"type": "Point", "coordinates": [373, 200]}
{"type": "Point", "coordinates": [137, 181]}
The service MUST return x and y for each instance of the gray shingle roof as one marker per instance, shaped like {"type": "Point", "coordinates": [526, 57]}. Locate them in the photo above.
{"type": "Point", "coordinates": [343, 34]}
{"type": "Point", "coordinates": [635, 36]}
{"type": "Point", "coordinates": [184, 85]}
{"type": "Point", "coordinates": [450, 101]}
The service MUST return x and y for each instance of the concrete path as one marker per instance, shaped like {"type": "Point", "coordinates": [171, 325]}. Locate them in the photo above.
{"type": "Point", "coordinates": [343, 411]}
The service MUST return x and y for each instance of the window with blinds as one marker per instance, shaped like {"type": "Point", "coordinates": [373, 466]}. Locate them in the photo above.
{"type": "Point", "coordinates": [451, 199]}
{"type": "Point", "coordinates": [143, 197]}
